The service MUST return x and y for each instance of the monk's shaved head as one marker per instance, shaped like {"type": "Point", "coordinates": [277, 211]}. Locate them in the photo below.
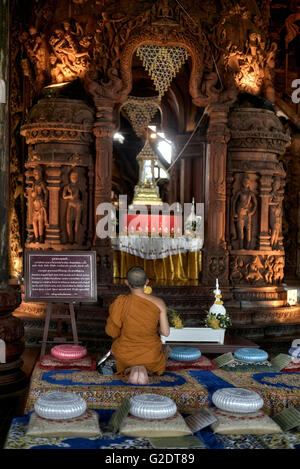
{"type": "Point", "coordinates": [136, 277]}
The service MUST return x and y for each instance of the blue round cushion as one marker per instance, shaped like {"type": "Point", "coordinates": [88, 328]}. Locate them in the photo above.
{"type": "Point", "coordinates": [251, 355]}
{"type": "Point", "coordinates": [185, 353]}
{"type": "Point", "coordinates": [295, 352]}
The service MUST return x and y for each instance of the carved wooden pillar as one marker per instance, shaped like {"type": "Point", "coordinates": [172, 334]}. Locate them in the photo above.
{"type": "Point", "coordinates": [191, 168]}
{"type": "Point", "coordinates": [215, 264]}
{"type": "Point", "coordinates": [11, 328]}
{"type": "Point", "coordinates": [174, 195]}
{"type": "Point", "coordinates": [104, 129]}
{"type": "Point", "coordinates": [229, 221]}
{"type": "Point", "coordinates": [265, 190]}
{"type": "Point", "coordinates": [257, 256]}
{"type": "Point", "coordinates": [58, 131]}
{"type": "Point", "coordinates": [53, 186]}
{"type": "Point", "coordinates": [28, 184]}
{"type": "Point", "coordinates": [198, 179]}
{"type": "Point", "coordinates": [186, 181]}
{"type": "Point", "coordinates": [91, 176]}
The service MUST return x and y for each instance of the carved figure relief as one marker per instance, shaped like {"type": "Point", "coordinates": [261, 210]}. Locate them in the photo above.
{"type": "Point", "coordinates": [70, 58]}
{"type": "Point", "coordinates": [236, 270]}
{"type": "Point", "coordinates": [278, 270]}
{"type": "Point", "coordinates": [38, 194]}
{"type": "Point", "coordinates": [253, 273]}
{"type": "Point", "coordinates": [256, 270]}
{"type": "Point", "coordinates": [64, 55]}
{"type": "Point", "coordinates": [269, 269]}
{"type": "Point", "coordinates": [217, 265]}
{"type": "Point", "coordinates": [275, 213]}
{"type": "Point", "coordinates": [73, 195]}
{"type": "Point", "coordinates": [251, 73]}
{"type": "Point", "coordinates": [36, 47]}
{"type": "Point", "coordinates": [249, 56]}
{"type": "Point", "coordinates": [244, 206]}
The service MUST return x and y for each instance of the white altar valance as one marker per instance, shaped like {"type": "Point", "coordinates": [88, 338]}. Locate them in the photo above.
{"type": "Point", "coordinates": [156, 247]}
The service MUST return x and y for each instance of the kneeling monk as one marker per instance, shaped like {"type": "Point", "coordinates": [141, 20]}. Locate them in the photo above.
{"type": "Point", "coordinates": [135, 322]}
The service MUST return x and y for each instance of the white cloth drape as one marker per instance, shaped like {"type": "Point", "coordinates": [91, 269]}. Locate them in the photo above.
{"type": "Point", "coordinates": [156, 247]}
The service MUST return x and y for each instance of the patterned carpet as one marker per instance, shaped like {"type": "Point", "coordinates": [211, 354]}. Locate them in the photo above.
{"type": "Point", "coordinates": [107, 392]}
{"type": "Point", "coordinates": [190, 389]}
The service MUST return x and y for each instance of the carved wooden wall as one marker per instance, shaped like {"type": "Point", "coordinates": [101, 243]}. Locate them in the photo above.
{"type": "Point", "coordinates": [230, 52]}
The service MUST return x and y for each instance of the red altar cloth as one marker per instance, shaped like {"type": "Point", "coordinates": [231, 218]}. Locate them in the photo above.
{"type": "Point", "coordinates": [160, 223]}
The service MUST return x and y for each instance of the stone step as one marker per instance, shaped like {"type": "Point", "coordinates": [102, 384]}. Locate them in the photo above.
{"type": "Point", "coordinates": [91, 333]}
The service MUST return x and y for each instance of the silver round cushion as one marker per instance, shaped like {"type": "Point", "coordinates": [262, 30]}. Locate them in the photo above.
{"type": "Point", "coordinates": [58, 405]}
{"type": "Point", "coordinates": [238, 400]}
{"type": "Point", "coordinates": [152, 406]}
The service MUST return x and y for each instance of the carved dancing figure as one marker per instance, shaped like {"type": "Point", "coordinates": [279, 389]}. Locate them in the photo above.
{"type": "Point", "coordinates": [67, 45]}
{"type": "Point", "coordinates": [244, 206]}
{"type": "Point", "coordinates": [275, 213]}
{"type": "Point", "coordinates": [254, 275]}
{"type": "Point", "coordinates": [39, 195]}
{"type": "Point", "coordinates": [269, 269]}
{"type": "Point", "coordinates": [72, 193]}
{"type": "Point", "coordinates": [279, 270]}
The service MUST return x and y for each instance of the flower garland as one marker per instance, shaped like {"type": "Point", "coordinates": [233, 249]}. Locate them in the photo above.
{"type": "Point", "coordinates": [174, 318]}
{"type": "Point", "coordinates": [217, 321]}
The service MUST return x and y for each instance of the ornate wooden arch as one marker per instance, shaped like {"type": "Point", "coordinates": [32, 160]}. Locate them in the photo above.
{"type": "Point", "coordinates": [160, 37]}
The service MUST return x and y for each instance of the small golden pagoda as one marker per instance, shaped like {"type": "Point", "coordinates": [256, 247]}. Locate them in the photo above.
{"type": "Point", "coordinates": [146, 191]}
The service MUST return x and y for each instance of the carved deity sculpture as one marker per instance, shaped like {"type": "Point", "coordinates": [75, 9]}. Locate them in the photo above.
{"type": "Point", "coordinates": [279, 270]}
{"type": "Point", "coordinates": [39, 195]}
{"type": "Point", "coordinates": [244, 206]}
{"type": "Point", "coordinates": [36, 48]}
{"type": "Point", "coordinates": [269, 72]}
{"type": "Point", "coordinates": [70, 57]}
{"type": "Point", "coordinates": [72, 193]}
{"type": "Point", "coordinates": [253, 270]}
{"type": "Point", "coordinates": [236, 267]}
{"type": "Point", "coordinates": [275, 213]}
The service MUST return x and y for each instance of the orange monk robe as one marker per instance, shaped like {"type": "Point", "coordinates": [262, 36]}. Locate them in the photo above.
{"type": "Point", "coordinates": [133, 324]}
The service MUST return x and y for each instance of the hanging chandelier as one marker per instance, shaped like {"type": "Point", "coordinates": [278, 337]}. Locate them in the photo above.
{"type": "Point", "coordinates": [140, 112]}
{"type": "Point", "coordinates": [162, 63]}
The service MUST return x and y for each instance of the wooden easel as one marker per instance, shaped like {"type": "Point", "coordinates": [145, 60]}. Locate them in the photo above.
{"type": "Point", "coordinates": [59, 317]}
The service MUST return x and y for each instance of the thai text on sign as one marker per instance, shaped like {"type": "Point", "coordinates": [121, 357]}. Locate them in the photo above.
{"type": "Point", "coordinates": [60, 276]}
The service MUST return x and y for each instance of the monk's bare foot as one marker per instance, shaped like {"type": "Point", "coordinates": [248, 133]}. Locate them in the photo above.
{"type": "Point", "coordinates": [143, 376]}
{"type": "Point", "coordinates": [134, 375]}
{"type": "Point", "coordinates": [138, 375]}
